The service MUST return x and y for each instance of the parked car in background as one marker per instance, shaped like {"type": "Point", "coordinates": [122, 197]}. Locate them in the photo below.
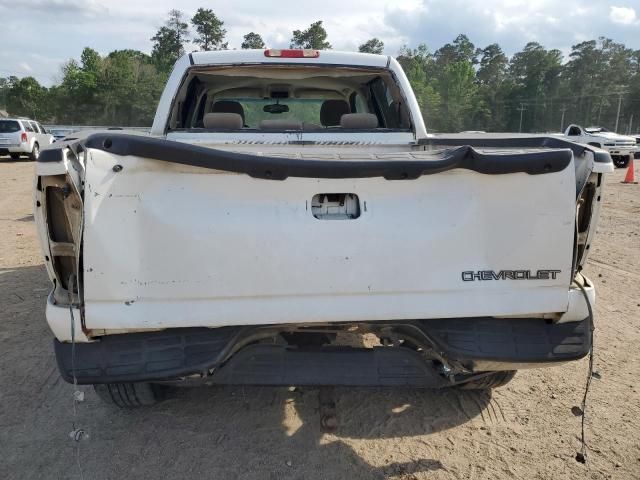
{"type": "Point", "coordinates": [620, 147]}
{"type": "Point", "coordinates": [21, 136]}
{"type": "Point", "coordinates": [60, 133]}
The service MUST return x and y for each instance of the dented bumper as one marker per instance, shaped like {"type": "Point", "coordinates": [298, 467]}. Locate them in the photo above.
{"type": "Point", "coordinates": [222, 355]}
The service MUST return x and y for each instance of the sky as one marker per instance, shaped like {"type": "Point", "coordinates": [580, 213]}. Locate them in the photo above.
{"type": "Point", "coordinates": [38, 36]}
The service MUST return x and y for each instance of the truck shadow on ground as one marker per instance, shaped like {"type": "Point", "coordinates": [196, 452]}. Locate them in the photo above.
{"type": "Point", "coordinates": [206, 432]}
{"type": "Point", "coordinates": [281, 429]}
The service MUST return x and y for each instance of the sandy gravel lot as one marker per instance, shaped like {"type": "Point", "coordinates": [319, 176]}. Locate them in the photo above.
{"type": "Point", "coordinates": [524, 430]}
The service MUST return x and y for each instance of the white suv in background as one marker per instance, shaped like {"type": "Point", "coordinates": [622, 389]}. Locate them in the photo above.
{"type": "Point", "coordinates": [20, 136]}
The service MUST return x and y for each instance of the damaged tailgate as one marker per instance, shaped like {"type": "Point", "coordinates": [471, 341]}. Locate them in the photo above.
{"type": "Point", "coordinates": [177, 235]}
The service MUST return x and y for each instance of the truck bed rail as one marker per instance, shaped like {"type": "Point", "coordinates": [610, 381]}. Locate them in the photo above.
{"type": "Point", "coordinates": [280, 168]}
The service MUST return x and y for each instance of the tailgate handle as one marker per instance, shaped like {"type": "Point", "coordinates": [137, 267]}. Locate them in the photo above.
{"type": "Point", "coordinates": [335, 206]}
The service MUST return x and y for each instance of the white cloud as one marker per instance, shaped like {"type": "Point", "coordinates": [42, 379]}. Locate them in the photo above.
{"type": "Point", "coordinates": [622, 15]}
{"type": "Point", "coordinates": [84, 8]}
{"type": "Point", "coordinates": [513, 23]}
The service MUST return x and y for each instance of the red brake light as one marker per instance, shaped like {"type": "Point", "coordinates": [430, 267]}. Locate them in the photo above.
{"type": "Point", "coordinates": [23, 137]}
{"type": "Point", "coordinates": [292, 53]}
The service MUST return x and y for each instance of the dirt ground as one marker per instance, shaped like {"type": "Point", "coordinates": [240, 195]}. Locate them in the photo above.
{"type": "Point", "coordinates": [523, 430]}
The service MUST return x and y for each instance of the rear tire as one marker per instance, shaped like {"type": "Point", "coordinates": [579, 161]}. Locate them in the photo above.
{"type": "Point", "coordinates": [35, 152]}
{"type": "Point", "coordinates": [15, 156]}
{"type": "Point", "coordinates": [493, 380]}
{"type": "Point", "coordinates": [620, 161]}
{"type": "Point", "coordinates": [128, 395]}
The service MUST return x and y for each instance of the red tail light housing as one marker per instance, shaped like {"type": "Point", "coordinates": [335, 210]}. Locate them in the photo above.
{"type": "Point", "coordinates": [23, 137]}
{"type": "Point", "coordinates": [292, 53]}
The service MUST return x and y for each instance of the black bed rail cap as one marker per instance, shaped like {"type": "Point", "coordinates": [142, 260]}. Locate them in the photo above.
{"type": "Point", "coordinates": [504, 141]}
{"type": "Point", "coordinates": [280, 168]}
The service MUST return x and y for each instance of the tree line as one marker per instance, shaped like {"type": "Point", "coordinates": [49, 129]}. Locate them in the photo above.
{"type": "Point", "coordinates": [459, 86]}
{"type": "Point", "coordinates": [462, 87]}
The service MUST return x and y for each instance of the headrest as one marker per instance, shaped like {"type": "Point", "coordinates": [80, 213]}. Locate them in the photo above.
{"type": "Point", "coordinates": [281, 124]}
{"type": "Point", "coordinates": [364, 121]}
{"type": "Point", "coordinates": [331, 111]}
{"type": "Point", "coordinates": [225, 121]}
{"type": "Point", "coordinates": [228, 106]}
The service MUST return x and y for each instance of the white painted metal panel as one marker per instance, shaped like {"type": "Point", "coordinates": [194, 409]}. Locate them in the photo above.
{"type": "Point", "coordinates": [170, 245]}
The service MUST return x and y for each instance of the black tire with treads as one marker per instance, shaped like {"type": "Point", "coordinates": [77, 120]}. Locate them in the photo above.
{"type": "Point", "coordinates": [128, 395]}
{"type": "Point", "coordinates": [620, 161]}
{"type": "Point", "coordinates": [493, 380]}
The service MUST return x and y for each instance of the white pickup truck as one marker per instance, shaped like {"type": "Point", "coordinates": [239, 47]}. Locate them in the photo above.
{"type": "Point", "coordinates": [288, 221]}
{"type": "Point", "coordinates": [620, 147]}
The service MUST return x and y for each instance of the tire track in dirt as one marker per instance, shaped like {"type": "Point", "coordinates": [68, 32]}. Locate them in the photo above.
{"type": "Point", "coordinates": [603, 264]}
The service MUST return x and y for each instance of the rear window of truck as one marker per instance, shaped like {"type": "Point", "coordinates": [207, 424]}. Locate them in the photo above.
{"type": "Point", "coordinates": [305, 110]}
{"type": "Point", "coordinates": [9, 126]}
{"type": "Point", "coordinates": [277, 98]}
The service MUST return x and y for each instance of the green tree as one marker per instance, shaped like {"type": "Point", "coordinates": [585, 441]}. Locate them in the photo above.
{"type": "Point", "coordinates": [373, 45]}
{"type": "Point", "coordinates": [70, 89]}
{"type": "Point", "coordinates": [419, 57]}
{"type": "Point", "coordinates": [26, 97]}
{"type": "Point", "coordinates": [5, 86]}
{"type": "Point", "coordinates": [130, 87]}
{"type": "Point", "coordinates": [418, 64]}
{"type": "Point", "coordinates": [90, 60]}
{"type": "Point", "coordinates": [493, 65]}
{"type": "Point", "coordinates": [169, 41]}
{"type": "Point", "coordinates": [535, 76]}
{"type": "Point", "coordinates": [89, 74]}
{"type": "Point", "coordinates": [210, 32]}
{"type": "Point", "coordinates": [597, 71]}
{"type": "Point", "coordinates": [457, 88]}
{"type": "Point", "coordinates": [121, 89]}
{"type": "Point", "coordinates": [490, 77]}
{"type": "Point", "coordinates": [313, 37]}
{"type": "Point", "coordinates": [445, 84]}
{"type": "Point", "coordinates": [460, 50]}
{"type": "Point", "coordinates": [252, 40]}
{"type": "Point", "coordinates": [79, 87]}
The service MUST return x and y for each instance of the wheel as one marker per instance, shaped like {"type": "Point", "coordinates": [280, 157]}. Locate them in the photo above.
{"type": "Point", "coordinates": [493, 380]}
{"type": "Point", "coordinates": [620, 161]}
{"type": "Point", "coordinates": [15, 156]}
{"type": "Point", "coordinates": [35, 152]}
{"type": "Point", "coordinates": [128, 395]}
